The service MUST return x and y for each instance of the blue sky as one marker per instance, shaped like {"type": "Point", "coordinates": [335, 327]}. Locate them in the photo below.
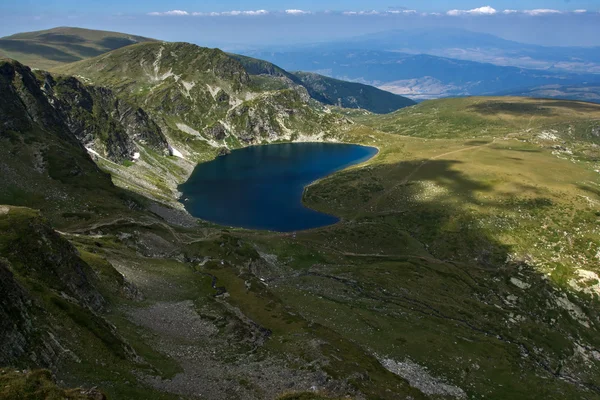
{"type": "Point", "coordinates": [231, 24]}
{"type": "Point", "coordinates": [120, 6]}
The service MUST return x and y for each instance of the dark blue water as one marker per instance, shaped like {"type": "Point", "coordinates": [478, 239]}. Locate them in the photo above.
{"type": "Point", "coordinates": [261, 187]}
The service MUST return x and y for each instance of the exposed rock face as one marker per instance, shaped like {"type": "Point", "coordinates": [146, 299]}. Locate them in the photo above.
{"type": "Point", "coordinates": [15, 320]}
{"type": "Point", "coordinates": [23, 103]}
{"type": "Point", "coordinates": [43, 254]}
{"type": "Point", "coordinates": [217, 131]}
{"type": "Point", "coordinates": [93, 116]}
{"type": "Point", "coordinates": [103, 122]}
{"type": "Point", "coordinates": [43, 283]}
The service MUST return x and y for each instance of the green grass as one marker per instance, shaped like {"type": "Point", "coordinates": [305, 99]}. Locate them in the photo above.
{"type": "Point", "coordinates": [36, 385]}
{"type": "Point", "coordinates": [53, 47]}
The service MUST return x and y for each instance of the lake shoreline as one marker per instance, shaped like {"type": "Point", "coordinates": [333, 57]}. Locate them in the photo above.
{"type": "Point", "coordinates": [262, 187]}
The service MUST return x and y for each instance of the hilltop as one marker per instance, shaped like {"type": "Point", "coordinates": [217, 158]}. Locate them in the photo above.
{"type": "Point", "coordinates": [49, 48]}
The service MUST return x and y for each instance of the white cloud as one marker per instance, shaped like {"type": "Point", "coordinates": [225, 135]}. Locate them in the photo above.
{"type": "Point", "coordinates": [180, 13]}
{"type": "Point", "coordinates": [170, 13]}
{"type": "Point", "coordinates": [402, 12]}
{"type": "Point", "coordinates": [480, 11]}
{"type": "Point", "coordinates": [371, 12]}
{"type": "Point", "coordinates": [235, 13]}
{"type": "Point", "coordinates": [487, 10]}
{"type": "Point", "coordinates": [296, 12]}
{"type": "Point", "coordinates": [542, 11]}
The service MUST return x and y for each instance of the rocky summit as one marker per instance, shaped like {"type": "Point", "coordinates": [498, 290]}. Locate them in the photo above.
{"type": "Point", "coordinates": [464, 265]}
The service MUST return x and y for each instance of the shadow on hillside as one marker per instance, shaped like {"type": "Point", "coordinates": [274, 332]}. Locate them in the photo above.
{"type": "Point", "coordinates": [576, 106]}
{"type": "Point", "coordinates": [520, 149]}
{"type": "Point", "coordinates": [61, 38]}
{"type": "Point", "coordinates": [51, 53]}
{"type": "Point", "coordinates": [520, 109]}
{"type": "Point", "coordinates": [440, 206]}
{"type": "Point", "coordinates": [114, 42]}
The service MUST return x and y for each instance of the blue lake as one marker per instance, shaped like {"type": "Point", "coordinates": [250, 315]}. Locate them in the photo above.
{"type": "Point", "coordinates": [261, 187]}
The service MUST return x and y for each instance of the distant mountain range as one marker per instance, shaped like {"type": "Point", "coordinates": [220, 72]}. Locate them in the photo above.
{"type": "Point", "coordinates": [471, 46]}
{"type": "Point", "coordinates": [419, 76]}
{"type": "Point", "coordinates": [441, 63]}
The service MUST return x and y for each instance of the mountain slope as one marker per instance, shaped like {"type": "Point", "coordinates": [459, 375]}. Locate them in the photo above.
{"type": "Point", "coordinates": [203, 97]}
{"type": "Point", "coordinates": [326, 90]}
{"type": "Point", "coordinates": [352, 95]}
{"type": "Point", "coordinates": [52, 47]}
{"type": "Point", "coordinates": [42, 160]}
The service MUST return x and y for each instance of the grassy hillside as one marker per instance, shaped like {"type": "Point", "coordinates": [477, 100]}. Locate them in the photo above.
{"type": "Point", "coordinates": [352, 95]}
{"type": "Point", "coordinates": [325, 90]}
{"type": "Point", "coordinates": [50, 48]}
{"type": "Point", "coordinates": [588, 92]}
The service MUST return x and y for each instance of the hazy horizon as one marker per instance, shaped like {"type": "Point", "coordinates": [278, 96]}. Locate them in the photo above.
{"type": "Point", "coordinates": [233, 25]}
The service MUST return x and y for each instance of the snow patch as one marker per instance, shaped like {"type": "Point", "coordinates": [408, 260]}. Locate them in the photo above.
{"type": "Point", "coordinates": [92, 151]}
{"type": "Point", "coordinates": [136, 156]}
{"type": "Point", "coordinates": [176, 153]}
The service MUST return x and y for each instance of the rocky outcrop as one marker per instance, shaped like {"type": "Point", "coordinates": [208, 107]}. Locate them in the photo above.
{"type": "Point", "coordinates": [23, 104]}
{"type": "Point", "coordinates": [16, 320]}
{"type": "Point", "coordinates": [93, 116]}
{"type": "Point", "coordinates": [103, 122]}
{"type": "Point", "coordinates": [47, 293]}
{"type": "Point", "coordinates": [42, 254]}
{"type": "Point", "coordinates": [217, 131]}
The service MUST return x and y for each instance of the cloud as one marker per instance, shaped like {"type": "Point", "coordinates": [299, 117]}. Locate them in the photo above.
{"type": "Point", "coordinates": [297, 12]}
{"type": "Point", "coordinates": [371, 12]}
{"type": "Point", "coordinates": [487, 10]}
{"type": "Point", "coordinates": [236, 13]}
{"type": "Point", "coordinates": [181, 13]}
{"type": "Point", "coordinates": [542, 11]}
{"type": "Point", "coordinates": [402, 12]}
{"type": "Point", "coordinates": [170, 13]}
{"type": "Point", "coordinates": [480, 11]}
